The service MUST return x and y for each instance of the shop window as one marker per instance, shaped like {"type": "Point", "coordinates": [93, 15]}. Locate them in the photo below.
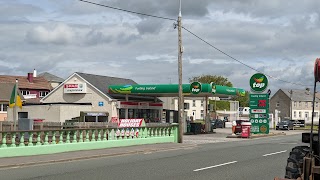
{"type": "Point", "coordinates": [43, 93]}
{"type": "Point", "coordinates": [193, 103]}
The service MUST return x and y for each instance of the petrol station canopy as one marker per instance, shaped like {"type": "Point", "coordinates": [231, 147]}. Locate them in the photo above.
{"type": "Point", "coordinates": [172, 90]}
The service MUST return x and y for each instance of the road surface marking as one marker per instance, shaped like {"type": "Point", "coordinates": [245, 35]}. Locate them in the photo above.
{"type": "Point", "coordinates": [214, 166]}
{"type": "Point", "coordinates": [275, 153]}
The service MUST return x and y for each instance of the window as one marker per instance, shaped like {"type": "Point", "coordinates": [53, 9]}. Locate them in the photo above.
{"type": "Point", "coordinates": [202, 112]}
{"type": "Point", "coordinates": [300, 104]}
{"type": "Point", "coordinates": [294, 104]}
{"type": "Point", "coordinates": [306, 104]}
{"type": "Point", "coordinates": [24, 92]}
{"type": "Point", "coordinates": [315, 114]}
{"type": "Point", "coordinates": [186, 106]}
{"type": "Point", "coordinates": [278, 104]}
{"type": "Point", "coordinates": [201, 103]}
{"type": "Point", "coordinates": [300, 114]}
{"type": "Point", "coordinates": [43, 93]}
{"type": "Point", "coordinates": [194, 103]}
{"type": "Point", "coordinates": [294, 114]}
{"type": "Point", "coordinates": [306, 114]}
{"type": "Point", "coordinates": [3, 107]}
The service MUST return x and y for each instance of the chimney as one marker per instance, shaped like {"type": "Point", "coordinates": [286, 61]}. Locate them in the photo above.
{"type": "Point", "coordinates": [30, 77]}
{"type": "Point", "coordinates": [34, 73]}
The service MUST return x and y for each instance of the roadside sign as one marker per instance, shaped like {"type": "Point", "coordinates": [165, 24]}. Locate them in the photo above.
{"type": "Point", "coordinates": [259, 113]}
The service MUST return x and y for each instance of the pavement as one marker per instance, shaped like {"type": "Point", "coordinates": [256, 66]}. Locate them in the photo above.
{"type": "Point", "coordinates": [189, 141]}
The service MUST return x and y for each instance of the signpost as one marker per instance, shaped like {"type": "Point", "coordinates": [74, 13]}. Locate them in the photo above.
{"type": "Point", "coordinates": [259, 104]}
{"type": "Point", "coordinates": [259, 113]}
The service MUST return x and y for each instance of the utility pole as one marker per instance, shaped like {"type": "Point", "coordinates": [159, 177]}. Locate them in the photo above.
{"type": "Point", "coordinates": [180, 100]}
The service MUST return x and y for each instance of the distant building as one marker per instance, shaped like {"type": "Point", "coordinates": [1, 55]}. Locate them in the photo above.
{"type": "Point", "coordinates": [84, 97]}
{"type": "Point", "coordinates": [52, 79]}
{"type": "Point", "coordinates": [30, 87]}
{"type": "Point", "coordinates": [295, 104]}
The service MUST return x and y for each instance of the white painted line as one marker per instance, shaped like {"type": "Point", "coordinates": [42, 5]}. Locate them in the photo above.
{"type": "Point", "coordinates": [275, 153]}
{"type": "Point", "coordinates": [214, 166]}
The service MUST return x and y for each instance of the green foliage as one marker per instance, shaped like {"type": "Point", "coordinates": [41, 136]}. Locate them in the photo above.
{"type": "Point", "coordinates": [219, 80]}
{"type": "Point", "coordinates": [221, 105]}
{"type": "Point", "coordinates": [243, 100]}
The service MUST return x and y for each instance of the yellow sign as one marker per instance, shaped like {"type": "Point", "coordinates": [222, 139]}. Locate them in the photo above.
{"type": "Point", "coordinates": [263, 129]}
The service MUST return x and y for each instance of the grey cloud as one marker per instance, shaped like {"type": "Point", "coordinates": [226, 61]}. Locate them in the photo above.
{"type": "Point", "coordinates": [95, 37]}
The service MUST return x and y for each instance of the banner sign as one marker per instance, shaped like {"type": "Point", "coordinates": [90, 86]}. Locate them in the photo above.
{"type": "Point", "coordinates": [75, 88]}
{"type": "Point", "coordinates": [126, 123]}
{"type": "Point", "coordinates": [194, 88]}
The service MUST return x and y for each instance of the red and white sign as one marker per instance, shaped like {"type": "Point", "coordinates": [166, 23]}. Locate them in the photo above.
{"type": "Point", "coordinates": [114, 119]}
{"type": "Point", "coordinates": [139, 105]}
{"type": "Point", "coordinates": [124, 123]}
{"type": "Point", "coordinates": [75, 88]}
{"type": "Point", "coordinates": [258, 111]}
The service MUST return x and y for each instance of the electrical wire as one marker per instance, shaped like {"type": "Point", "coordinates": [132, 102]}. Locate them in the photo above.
{"type": "Point", "coordinates": [289, 82]}
{"type": "Point", "coordinates": [166, 18]}
{"type": "Point", "coordinates": [134, 12]}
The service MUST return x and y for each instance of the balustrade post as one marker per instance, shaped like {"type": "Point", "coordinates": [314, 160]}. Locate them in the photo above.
{"type": "Point", "coordinates": [21, 139]}
{"type": "Point", "coordinates": [68, 137]}
{"type": "Point", "coordinates": [53, 140]}
{"type": "Point", "coordinates": [87, 136]}
{"type": "Point", "coordinates": [38, 138]}
{"type": "Point", "coordinates": [46, 137]}
{"type": "Point", "coordinates": [13, 140]}
{"type": "Point", "coordinates": [60, 137]}
{"type": "Point", "coordinates": [99, 135]}
{"type": "Point", "coordinates": [4, 140]}
{"type": "Point", "coordinates": [74, 139]}
{"type": "Point", "coordinates": [93, 135]}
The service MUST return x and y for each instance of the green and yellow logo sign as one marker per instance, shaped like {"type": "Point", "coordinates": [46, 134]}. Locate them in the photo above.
{"type": "Point", "coordinates": [258, 82]}
{"type": "Point", "coordinates": [195, 88]}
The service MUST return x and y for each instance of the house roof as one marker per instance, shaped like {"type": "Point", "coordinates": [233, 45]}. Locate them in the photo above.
{"type": "Point", "coordinates": [23, 82]}
{"type": "Point", "coordinates": [299, 95]}
{"type": "Point", "coordinates": [102, 83]}
{"type": "Point", "coordinates": [50, 77]}
{"type": "Point", "coordinates": [6, 90]}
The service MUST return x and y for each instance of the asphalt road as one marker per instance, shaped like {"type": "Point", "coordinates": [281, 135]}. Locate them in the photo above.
{"type": "Point", "coordinates": [247, 159]}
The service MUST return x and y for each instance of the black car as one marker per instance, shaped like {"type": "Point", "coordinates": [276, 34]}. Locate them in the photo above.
{"type": "Point", "coordinates": [217, 123]}
{"type": "Point", "coordinates": [285, 125]}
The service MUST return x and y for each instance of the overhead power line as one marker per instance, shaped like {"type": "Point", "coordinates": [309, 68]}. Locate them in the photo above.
{"type": "Point", "coordinates": [134, 12]}
{"type": "Point", "coordinates": [241, 61]}
{"type": "Point", "coordinates": [206, 42]}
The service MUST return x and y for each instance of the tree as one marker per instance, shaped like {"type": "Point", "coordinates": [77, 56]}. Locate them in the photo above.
{"type": "Point", "coordinates": [243, 100]}
{"type": "Point", "coordinates": [218, 80]}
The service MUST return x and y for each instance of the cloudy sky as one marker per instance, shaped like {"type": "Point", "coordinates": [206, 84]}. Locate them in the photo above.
{"type": "Point", "coordinates": [278, 38]}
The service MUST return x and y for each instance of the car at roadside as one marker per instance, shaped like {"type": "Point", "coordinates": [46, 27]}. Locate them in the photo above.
{"type": "Point", "coordinates": [285, 125]}
{"type": "Point", "coordinates": [238, 128]}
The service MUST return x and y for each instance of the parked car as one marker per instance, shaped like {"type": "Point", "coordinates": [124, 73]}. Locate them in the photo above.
{"type": "Point", "coordinates": [217, 123]}
{"type": "Point", "coordinates": [285, 125]}
{"type": "Point", "coordinates": [238, 128]}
